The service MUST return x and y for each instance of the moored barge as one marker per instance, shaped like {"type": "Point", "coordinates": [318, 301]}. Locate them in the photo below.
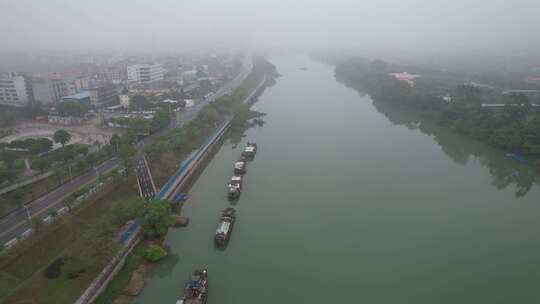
{"type": "Point", "coordinates": [196, 290]}
{"type": "Point", "coordinates": [225, 227]}
{"type": "Point", "coordinates": [240, 167]}
{"type": "Point", "coordinates": [235, 187]}
{"type": "Point", "coordinates": [250, 150]}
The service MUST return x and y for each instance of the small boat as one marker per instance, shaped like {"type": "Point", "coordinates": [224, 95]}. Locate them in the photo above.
{"type": "Point", "coordinates": [250, 150]}
{"type": "Point", "coordinates": [225, 227]}
{"type": "Point", "coordinates": [235, 187]}
{"type": "Point", "coordinates": [240, 167]}
{"type": "Point", "coordinates": [517, 157]}
{"type": "Point", "coordinates": [180, 197]}
{"type": "Point", "coordinates": [196, 290]}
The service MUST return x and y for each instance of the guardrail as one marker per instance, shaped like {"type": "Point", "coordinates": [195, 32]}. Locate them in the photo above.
{"type": "Point", "coordinates": [107, 274]}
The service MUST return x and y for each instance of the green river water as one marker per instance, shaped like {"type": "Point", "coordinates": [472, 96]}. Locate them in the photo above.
{"type": "Point", "coordinates": [346, 202]}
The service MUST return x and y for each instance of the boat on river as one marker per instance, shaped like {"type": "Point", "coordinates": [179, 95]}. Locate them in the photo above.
{"type": "Point", "coordinates": [240, 167]}
{"type": "Point", "coordinates": [196, 290]}
{"type": "Point", "coordinates": [517, 157]}
{"type": "Point", "coordinates": [225, 227]}
{"type": "Point", "coordinates": [235, 187]}
{"type": "Point", "coordinates": [250, 150]}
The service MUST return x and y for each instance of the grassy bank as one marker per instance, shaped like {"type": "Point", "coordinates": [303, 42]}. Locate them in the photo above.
{"type": "Point", "coordinates": [83, 240]}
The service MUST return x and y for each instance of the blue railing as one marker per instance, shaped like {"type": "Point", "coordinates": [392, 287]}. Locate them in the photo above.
{"type": "Point", "coordinates": [180, 174]}
{"type": "Point", "coordinates": [126, 235]}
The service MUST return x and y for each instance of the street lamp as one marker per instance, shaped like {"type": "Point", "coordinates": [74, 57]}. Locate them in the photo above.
{"type": "Point", "coordinates": [27, 212]}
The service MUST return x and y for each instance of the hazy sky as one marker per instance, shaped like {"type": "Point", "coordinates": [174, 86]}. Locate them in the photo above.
{"type": "Point", "coordinates": [410, 25]}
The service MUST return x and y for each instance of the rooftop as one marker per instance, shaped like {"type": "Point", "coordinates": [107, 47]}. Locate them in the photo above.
{"type": "Point", "coordinates": [81, 95]}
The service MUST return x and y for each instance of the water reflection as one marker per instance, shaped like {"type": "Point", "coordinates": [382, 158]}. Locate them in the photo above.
{"type": "Point", "coordinates": [165, 267]}
{"type": "Point", "coordinates": [462, 150]}
{"type": "Point", "coordinates": [236, 134]}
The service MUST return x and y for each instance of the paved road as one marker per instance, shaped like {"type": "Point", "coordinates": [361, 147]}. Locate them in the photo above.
{"type": "Point", "coordinates": [147, 188]}
{"type": "Point", "coordinates": [187, 115]}
{"type": "Point", "coordinates": [17, 222]}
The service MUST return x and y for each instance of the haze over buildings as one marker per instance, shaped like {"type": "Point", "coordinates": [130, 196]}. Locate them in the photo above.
{"type": "Point", "coordinates": [417, 26]}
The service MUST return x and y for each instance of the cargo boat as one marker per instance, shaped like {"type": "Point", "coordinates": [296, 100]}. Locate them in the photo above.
{"type": "Point", "coordinates": [250, 150]}
{"type": "Point", "coordinates": [235, 187]}
{"type": "Point", "coordinates": [196, 290]}
{"type": "Point", "coordinates": [225, 227]}
{"type": "Point", "coordinates": [240, 167]}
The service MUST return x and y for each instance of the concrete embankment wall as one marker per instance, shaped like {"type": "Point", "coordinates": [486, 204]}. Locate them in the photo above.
{"type": "Point", "coordinates": [177, 182]}
{"type": "Point", "coordinates": [109, 272]}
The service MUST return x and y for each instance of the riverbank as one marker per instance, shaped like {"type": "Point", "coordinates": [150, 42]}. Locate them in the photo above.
{"type": "Point", "coordinates": [173, 147]}
{"type": "Point", "coordinates": [448, 101]}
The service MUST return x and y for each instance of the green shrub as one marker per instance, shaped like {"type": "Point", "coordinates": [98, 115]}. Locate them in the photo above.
{"type": "Point", "coordinates": [154, 253]}
{"type": "Point", "coordinates": [54, 270]}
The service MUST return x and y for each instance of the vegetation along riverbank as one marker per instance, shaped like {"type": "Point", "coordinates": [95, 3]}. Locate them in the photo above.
{"type": "Point", "coordinates": [495, 113]}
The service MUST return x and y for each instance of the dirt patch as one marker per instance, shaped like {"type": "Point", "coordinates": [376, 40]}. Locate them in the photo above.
{"type": "Point", "coordinates": [121, 299]}
{"type": "Point", "coordinates": [136, 283]}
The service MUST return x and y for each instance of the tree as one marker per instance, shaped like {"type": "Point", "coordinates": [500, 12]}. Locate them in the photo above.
{"type": "Point", "coordinates": [507, 138]}
{"type": "Point", "coordinates": [62, 136]}
{"type": "Point", "coordinates": [157, 218]}
{"type": "Point", "coordinates": [160, 120]}
{"type": "Point", "coordinates": [66, 154]}
{"type": "Point", "coordinates": [156, 150]}
{"type": "Point", "coordinates": [8, 157]}
{"type": "Point", "coordinates": [71, 108]}
{"type": "Point", "coordinates": [129, 209]}
{"type": "Point", "coordinates": [126, 152]}
{"type": "Point", "coordinates": [139, 102]}
{"type": "Point", "coordinates": [8, 175]}
{"type": "Point", "coordinates": [532, 136]}
{"type": "Point", "coordinates": [91, 159]}
{"type": "Point", "coordinates": [37, 223]}
{"type": "Point", "coordinates": [115, 142]}
{"type": "Point", "coordinates": [40, 164]}
{"type": "Point", "coordinates": [82, 150]}
{"type": "Point", "coordinates": [154, 253]}
{"type": "Point", "coordinates": [40, 145]}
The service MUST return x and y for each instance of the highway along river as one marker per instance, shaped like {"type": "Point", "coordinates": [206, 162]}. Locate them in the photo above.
{"type": "Point", "coordinates": [349, 203]}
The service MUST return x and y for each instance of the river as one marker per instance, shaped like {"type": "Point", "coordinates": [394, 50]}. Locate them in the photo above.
{"type": "Point", "coordinates": [346, 202]}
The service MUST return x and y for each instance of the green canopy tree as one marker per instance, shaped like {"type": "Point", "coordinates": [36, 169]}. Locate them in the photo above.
{"type": "Point", "coordinates": [157, 218]}
{"type": "Point", "coordinates": [139, 102]}
{"type": "Point", "coordinates": [72, 108]}
{"type": "Point", "coordinates": [115, 142]}
{"type": "Point", "coordinates": [62, 136]}
{"type": "Point", "coordinates": [40, 164]}
{"type": "Point", "coordinates": [40, 145]}
{"type": "Point", "coordinates": [126, 152]}
{"type": "Point", "coordinates": [8, 157]}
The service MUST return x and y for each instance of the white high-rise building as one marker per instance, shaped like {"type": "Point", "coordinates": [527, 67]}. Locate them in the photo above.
{"type": "Point", "coordinates": [145, 73]}
{"type": "Point", "coordinates": [14, 90]}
